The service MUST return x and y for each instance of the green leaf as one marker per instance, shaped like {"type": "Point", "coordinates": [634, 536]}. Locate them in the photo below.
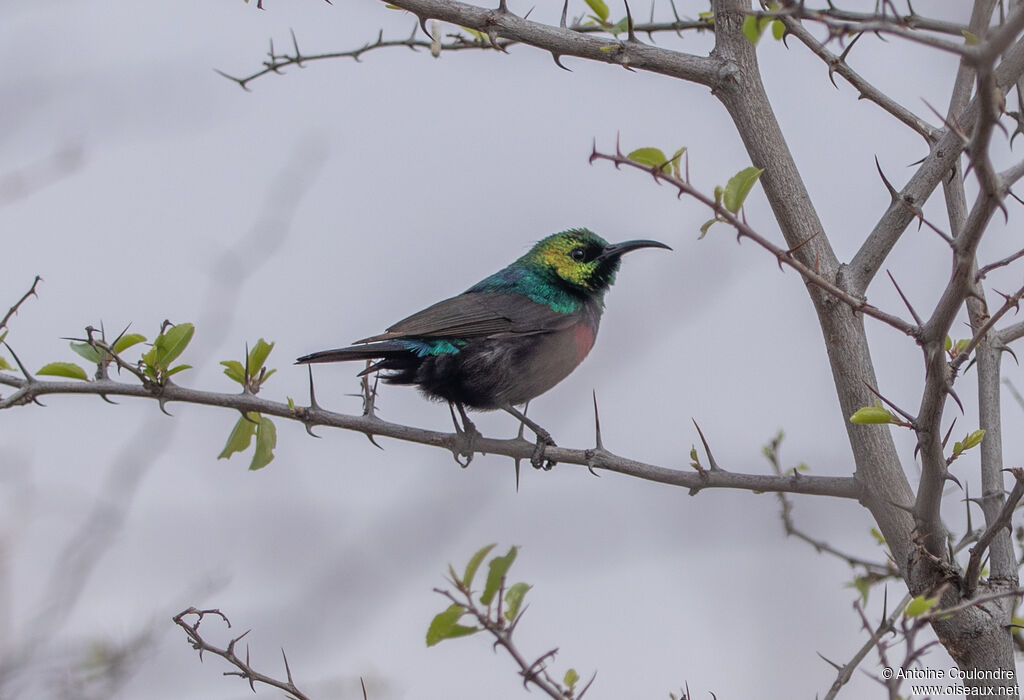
{"type": "Point", "coordinates": [707, 225]}
{"type": "Point", "coordinates": [863, 586]}
{"type": "Point", "coordinates": [778, 29]}
{"type": "Point", "coordinates": [739, 187]}
{"type": "Point", "coordinates": [969, 37]}
{"type": "Point", "coordinates": [974, 439]}
{"type": "Point", "coordinates": [961, 345]}
{"type": "Point", "coordinates": [266, 441]}
{"type": "Point", "coordinates": [514, 599]}
{"type": "Point", "coordinates": [87, 351]}
{"type": "Point", "coordinates": [239, 439]}
{"type": "Point", "coordinates": [878, 536]}
{"type": "Point", "coordinates": [445, 625]}
{"type": "Point", "coordinates": [920, 605]}
{"type": "Point", "coordinates": [872, 415]}
{"type": "Point", "coordinates": [674, 166]}
{"type": "Point", "coordinates": [600, 9]}
{"type": "Point", "coordinates": [571, 679]}
{"type": "Point", "coordinates": [179, 368]}
{"type": "Point", "coordinates": [958, 447]}
{"type": "Point", "coordinates": [234, 370]}
{"type": "Point", "coordinates": [496, 570]}
{"type": "Point", "coordinates": [948, 343]}
{"type": "Point", "coordinates": [654, 157]}
{"type": "Point", "coordinates": [172, 343]}
{"type": "Point", "coordinates": [64, 369]}
{"type": "Point", "coordinates": [127, 340]}
{"type": "Point", "coordinates": [621, 26]}
{"type": "Point", "coordinates": [4, 365]}
{"type": "Point", "coordinates": [474, 564]}
{"type": "Point", "coordinates": [258, 355]}
{"type": "Point", "coordinates": [752, 29]}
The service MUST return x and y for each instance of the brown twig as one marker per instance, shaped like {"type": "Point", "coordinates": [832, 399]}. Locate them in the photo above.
{"type": "Point", "coordinates": [245, 669]}
{"type": "Point", "coordinates": [973, 572]}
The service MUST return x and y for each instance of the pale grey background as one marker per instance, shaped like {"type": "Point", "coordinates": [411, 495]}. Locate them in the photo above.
{"type": "Point", "coordinates": [330, 202]}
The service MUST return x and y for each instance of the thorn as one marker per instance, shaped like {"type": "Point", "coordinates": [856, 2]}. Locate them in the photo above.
{"type": "Point", "coordinates": [370, 437]}
{"type": "Point", "coordinates": [565, 12]}
{"type": "Point", "coordinates": [892, 190]}
{"type": "Point", "coordinates": [587, 686]}
{"type": "Point", "coordinates": [518, 461]}
{"type": "Point", "coordinates": [287, 670]}
{"type": "Point", "coordinates": [423, 25]}
{"type": "Point", "coordinates": [833, 664]}
{"type": "Point", "coordinates": [948, 432]}
{"type": "Point", "coordinates": [952, 393]}
{"type": "Point", "coordinates": [162, 402]}
{"type": "Point", "coordinates": [558, 62]}
{"type": "Point", "coordinates": [28, 375]}
{"type": "Point", "coordinates": [967, 505]}
{"type": "Point", "coordinates": [597, 424]}
{"type": "Point", "coordinates": [298, 54]}
{"type": "Point", "coordinates": [492, 36]}
{"type": "Point", "coordinates": [630, 31]}
{"type": "Point", "coordinates": [951, 477]}
{"type": "Point", "coordinates": [913, 313]}
{"type": "Point", "coordinates": [712, 464]}
{"type": "Point", "coordinates": [502, 6]}
{"type": "Point", "coordinates": [312, 391]}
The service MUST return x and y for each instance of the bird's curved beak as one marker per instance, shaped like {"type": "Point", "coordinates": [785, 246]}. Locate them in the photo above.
{"type": "Point", "coordinates": [614, 250]}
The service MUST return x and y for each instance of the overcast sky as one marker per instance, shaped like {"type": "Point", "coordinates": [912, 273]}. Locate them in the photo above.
{"type": "Point", "coordinates": [328, 203]}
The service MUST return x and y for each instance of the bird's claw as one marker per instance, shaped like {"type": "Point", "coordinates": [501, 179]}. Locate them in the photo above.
{"type": "Point", "coordinates": [464, 445]}
{"type": "Point", "coordinates": [537, 459]}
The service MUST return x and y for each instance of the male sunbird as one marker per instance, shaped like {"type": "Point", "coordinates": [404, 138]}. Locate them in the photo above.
{"type": "Point", "coordinates": [508, 338]}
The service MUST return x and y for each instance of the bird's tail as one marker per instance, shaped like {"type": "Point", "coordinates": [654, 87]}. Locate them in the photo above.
{"type": "Point", "coordinates": [372, 351]}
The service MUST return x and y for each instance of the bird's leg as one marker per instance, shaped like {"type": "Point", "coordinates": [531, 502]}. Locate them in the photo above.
{"type": "Point", "coordinates": [467, 435]}
{"type": "Point", "coordinates": [543, 438]}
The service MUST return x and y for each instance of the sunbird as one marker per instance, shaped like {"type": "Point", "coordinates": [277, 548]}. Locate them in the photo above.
{"type": "Point", "coordinates": [508, 338]}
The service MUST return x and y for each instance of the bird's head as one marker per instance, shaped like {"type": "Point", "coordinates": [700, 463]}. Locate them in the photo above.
{"type": "Point", "coordinates": [581, 259]}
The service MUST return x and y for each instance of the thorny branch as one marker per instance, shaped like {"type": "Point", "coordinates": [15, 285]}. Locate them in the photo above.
{"type": "Point", "coordinates": [973, 572]}
{"type": "Point", "coordinates": [876, 571]}
{"type": "Point", "coordinates": [783, 256]}
{"type": "Point", "coordinates": [17, 305]}
{"type": "Point", "coordinates": [276, 62]}
{"type": "Point", "coordinates": [845, 672]}
{"type": "Point", "coordinates": [245, 669]}
{"type": "Point", "coordinates": [533, 672]}
{"type": "Point", "coordinates": [516, 448]}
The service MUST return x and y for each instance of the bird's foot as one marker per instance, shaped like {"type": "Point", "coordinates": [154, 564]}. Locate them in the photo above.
{"type": "Point", "coordinates": [543, 438]}
{"type": "Point", "coordinates": [466, 436]}
{"type": "Point", "coordinates": [537, 459]}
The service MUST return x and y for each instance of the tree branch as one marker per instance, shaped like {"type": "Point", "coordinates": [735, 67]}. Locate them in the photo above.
{"type": "Point", "coordinates": [782, 256]}
{"type": "Point", "coordinates": [973, 572]}
{"type": "Point", "coordinates": [937, 165]}
{"type": "Point", "coordinates": [559, 41]}
{"type": "Point", "coordinates": [17, 305]}
{"type": "Point", "coordinates": [517, 448]}
{"type": "Point", "coordinates": [245, 669]}
{"type": "Point", "coordinates": [838, 64]}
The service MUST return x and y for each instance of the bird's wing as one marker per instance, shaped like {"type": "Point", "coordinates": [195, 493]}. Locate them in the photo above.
{"type": "Point", "coordinates": [478, 314]}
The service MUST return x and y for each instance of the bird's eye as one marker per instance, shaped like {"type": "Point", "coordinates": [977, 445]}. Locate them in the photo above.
{"type": "Point", "coordinates": [578, 254]}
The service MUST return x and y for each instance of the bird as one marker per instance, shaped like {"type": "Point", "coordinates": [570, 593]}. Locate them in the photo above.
{"type": "Point", "coordinates": [507, 339]}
